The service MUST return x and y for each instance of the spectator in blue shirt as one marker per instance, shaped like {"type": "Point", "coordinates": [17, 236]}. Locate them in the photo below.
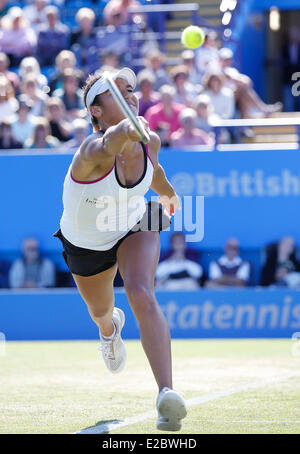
{"type": "Point", "coordinates": [52, 37]}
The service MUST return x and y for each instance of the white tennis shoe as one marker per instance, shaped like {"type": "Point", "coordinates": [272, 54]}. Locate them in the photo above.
{"type": "Point", "coordinates": [114, 351]}
{"type": "Point", "coordinates": [171, 410]}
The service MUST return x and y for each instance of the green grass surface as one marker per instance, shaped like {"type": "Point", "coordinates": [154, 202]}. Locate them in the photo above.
{"type": "Point", "coordinates": [64, 387]}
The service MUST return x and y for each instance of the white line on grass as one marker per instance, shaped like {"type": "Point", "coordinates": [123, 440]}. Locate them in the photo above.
{"type": "Point", "coordinates": [108, 426]}
{"type": "Point", "coordinates": [248, 421]}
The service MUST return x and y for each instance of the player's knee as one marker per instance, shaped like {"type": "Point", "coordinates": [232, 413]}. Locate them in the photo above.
{"type": "Point", "coordinates": [141, 297]}
{"type": "Point", "coordinates": [98, 312]}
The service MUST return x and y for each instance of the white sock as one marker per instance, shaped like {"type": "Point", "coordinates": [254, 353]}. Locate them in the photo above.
{"type": "Point", "coordinates": [109, 338]}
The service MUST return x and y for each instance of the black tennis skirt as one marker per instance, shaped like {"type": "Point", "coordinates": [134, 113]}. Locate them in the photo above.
{"type": "Point", "coordinates": [88, 262]}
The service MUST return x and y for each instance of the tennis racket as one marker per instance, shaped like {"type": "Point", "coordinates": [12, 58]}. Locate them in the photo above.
{"type": "Point", "coordinates": [136, 122]}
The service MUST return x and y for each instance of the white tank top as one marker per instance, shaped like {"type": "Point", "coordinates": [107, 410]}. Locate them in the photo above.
{"type": "Point", "coordinates": [97, 214]}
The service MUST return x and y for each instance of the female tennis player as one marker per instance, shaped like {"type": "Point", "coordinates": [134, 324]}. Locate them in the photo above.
{"type": "Point", "coordinates": [104, 207]}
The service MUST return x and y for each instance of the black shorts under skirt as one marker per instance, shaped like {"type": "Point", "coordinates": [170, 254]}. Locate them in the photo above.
{"type": "Point", "coordinates": [88, 262]}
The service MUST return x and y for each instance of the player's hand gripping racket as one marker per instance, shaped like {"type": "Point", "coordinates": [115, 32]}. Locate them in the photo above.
{"type": "Point", "coordinates": [136, 122]}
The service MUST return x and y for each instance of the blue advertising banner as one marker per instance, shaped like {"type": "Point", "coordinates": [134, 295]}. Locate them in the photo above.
{"type": "Point", "coordinates": [265, 5]}
{"type": "Point", "coordinates": [259, 313]}
{"type": "Point", "coordinates": [253, 195]}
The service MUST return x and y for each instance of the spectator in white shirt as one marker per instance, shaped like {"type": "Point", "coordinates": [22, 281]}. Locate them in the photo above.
{"type": "Point", "coordinates": [207, 56]}
{"type": "Point", "coordinates": [23, 126]}
{"type": "Point", "coordinates": [177, 272]}
{"type": "Point", "coordinates": [8, 102]}
{"type": "Point", "coordinates": [222, 97]}
{"type": "Point", "coordinates": [185, 91]}
{"type": "Point", "coordinates": [230, 269]}
{"type": "Point", "coordinates": [188, 60]}
{"type": "Point", "coordinates": [35, 13]}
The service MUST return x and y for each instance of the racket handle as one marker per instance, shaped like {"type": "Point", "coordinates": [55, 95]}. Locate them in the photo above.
{"type": "Point", "coordinates": [144, 134]}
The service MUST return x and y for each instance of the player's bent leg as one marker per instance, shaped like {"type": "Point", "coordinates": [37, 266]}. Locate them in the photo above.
{"type": "Point", "coordinates": [97, 292]}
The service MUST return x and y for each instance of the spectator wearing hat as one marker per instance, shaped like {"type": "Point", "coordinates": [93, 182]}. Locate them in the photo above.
{"type": "Point", "coordinates": [163, 118]}
{"type": "Point", "coordinates": [230, 269]}
{"type": "Point", "coordinates": [59, 127]}
{"type": "Point", "coordinates": [10, 75]}
{"type": "Point", "coordinates": [53, 36]}
{"type": "Point", "coordinates": [7, 140]}
{"type": "Point", "coordinates": [23, 126]}
{"type": "Point", "coordinates": [17, 39]}
{"type": "Point", "coordinates": [185, 92]}
{"type": "Point", "coordinates": [146, 95]}
{"type": "Point", "coordinates": [247, 100]}
{"type": "Point", "coordinates": [188, 135]}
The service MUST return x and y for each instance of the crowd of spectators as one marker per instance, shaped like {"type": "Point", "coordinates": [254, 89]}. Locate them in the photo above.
{"type": "Point", "coordinates": [44, 62]}
{"type": "Point", "coordinates": [181, 267]}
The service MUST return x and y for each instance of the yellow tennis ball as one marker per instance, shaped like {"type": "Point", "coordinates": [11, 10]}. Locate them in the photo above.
{"type": "Point", "coordinates": [192, 37]}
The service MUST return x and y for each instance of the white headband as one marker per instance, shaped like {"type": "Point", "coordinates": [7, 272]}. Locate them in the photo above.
{"type": "Point", "coordinates": [101, 85]}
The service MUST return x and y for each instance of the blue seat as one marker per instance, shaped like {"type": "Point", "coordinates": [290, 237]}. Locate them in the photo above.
{"type": "Point", "coordinates": [4, 268]}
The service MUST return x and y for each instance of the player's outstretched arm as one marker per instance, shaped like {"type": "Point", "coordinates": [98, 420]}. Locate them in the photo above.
{"type": "Point", "coordinates": [96, 148]}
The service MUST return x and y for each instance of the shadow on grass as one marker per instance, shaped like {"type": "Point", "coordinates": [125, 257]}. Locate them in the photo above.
{"type": "Point", "coordinates": [101, 427]}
